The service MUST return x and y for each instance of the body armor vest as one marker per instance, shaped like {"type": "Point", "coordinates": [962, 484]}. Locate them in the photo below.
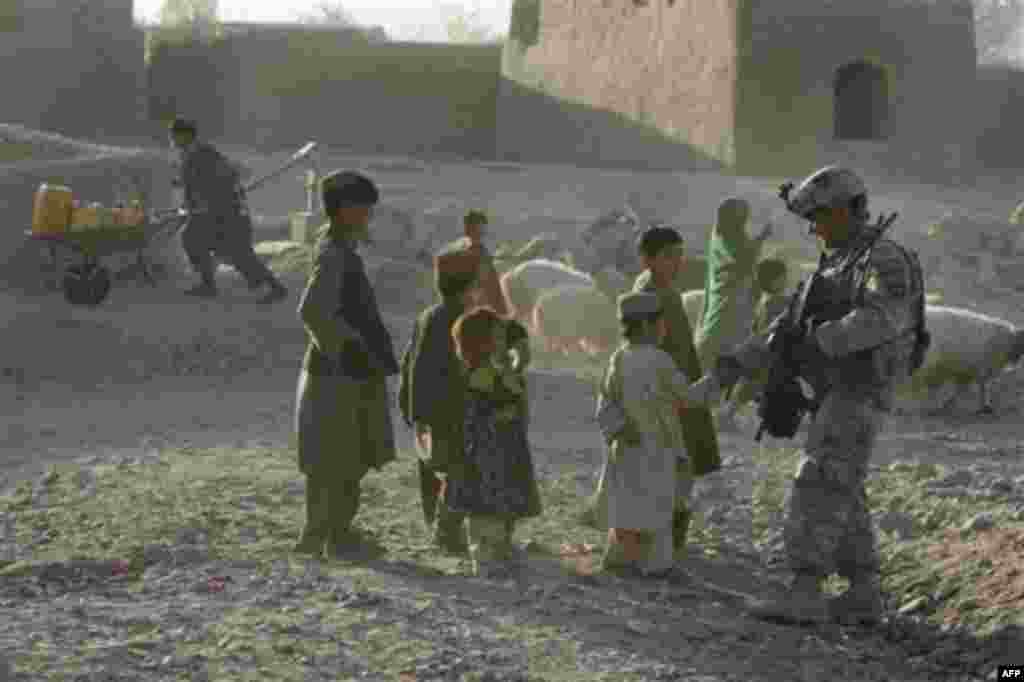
{"type": "Point", "coordinates": [838, 291]}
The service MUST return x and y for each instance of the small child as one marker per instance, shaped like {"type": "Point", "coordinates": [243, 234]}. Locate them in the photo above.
{"type": "Point", "coordinates": [642, 478]}
{"type": "Point", "coordinates": [496, 484]}
{"type": "Point", "coordinates": [430, 370]}
{"type": "Point", "coordinates": [475, 231]}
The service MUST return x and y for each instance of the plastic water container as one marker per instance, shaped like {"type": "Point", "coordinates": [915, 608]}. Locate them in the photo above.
{"type": "Point", "coordinates": [51, 212]}
{"type": "Point", "coordinates": [131, 215]}
{"type": "Point", "coordinates": [85, 218]}
{"type": "Point", "coordinates": [105, 215]}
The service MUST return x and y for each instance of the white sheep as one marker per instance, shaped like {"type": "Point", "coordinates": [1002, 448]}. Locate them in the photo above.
{"type": "Point", "coordinates": [967, 347]}
{"type": "Point", "coordinates": [546, 245]}
{"type": "Point", "coordinates": [574, 317]}
{"type": "Point", "coordinates": [523, 285]}
{"type": "Point", "coordinates": [693, 304]}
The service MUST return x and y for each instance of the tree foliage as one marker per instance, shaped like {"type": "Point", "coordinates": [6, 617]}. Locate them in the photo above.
{"type": "Point", "coordinates": [195, 19]}
{"type": "Point", "coordinates": [464, 24]}
{"type": "Point", "coordinates": [333, 13]}
{"type": "Point", "coordinates": [998, 29]}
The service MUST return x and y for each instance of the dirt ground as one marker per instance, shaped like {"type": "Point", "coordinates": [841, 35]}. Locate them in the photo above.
{"type": "Point", "coordinates": [150, 368]}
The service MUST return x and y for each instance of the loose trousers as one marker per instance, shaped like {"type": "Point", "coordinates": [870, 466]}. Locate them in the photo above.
{"type": "Point", "coordinates": [229, 237]}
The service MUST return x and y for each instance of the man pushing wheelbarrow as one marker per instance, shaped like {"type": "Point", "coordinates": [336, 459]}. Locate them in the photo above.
{"type": "Point", "coordinates": [218, 222]}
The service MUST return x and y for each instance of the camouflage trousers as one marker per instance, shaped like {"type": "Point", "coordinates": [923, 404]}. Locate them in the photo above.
{"type": "Point", "coordinates": [828, 526]}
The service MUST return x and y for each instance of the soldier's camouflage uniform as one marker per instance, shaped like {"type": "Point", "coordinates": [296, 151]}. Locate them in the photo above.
{"type": "Point", "coordinates": [867, 352]}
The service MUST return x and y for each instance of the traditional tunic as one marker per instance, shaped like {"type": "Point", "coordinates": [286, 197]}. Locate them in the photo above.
{"type": "Point", "coordinates": [497, 484]}
{"type": "Point", "coordinates": [697, 423]}
{"type": "Point", "coordinates": [343, 416]}
{"type": "Point", "coordinates": [497, 473]}
{"type": "Point", "coordinates": [643, 480]}
{"type": "Point", "coordinates": [430, 369]}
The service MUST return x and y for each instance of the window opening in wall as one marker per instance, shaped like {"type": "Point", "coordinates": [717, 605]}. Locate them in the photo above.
{"type": "Point", "coordinates": [861, 100]}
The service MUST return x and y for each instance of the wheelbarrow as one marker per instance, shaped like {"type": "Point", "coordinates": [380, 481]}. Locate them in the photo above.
{"type": "Point", "coordinates": [88, 282]}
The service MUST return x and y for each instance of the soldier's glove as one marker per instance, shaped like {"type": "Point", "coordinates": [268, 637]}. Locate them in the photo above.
{"type": "Point", "coordinates": [727, 371]}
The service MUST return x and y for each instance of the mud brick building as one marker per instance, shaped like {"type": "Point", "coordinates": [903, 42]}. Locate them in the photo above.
{"type": "Point", "coordinates": [758, 86]}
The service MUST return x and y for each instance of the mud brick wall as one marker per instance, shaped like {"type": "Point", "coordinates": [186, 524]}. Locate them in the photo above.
{"type": "Point", "coordinates": [620, 82]}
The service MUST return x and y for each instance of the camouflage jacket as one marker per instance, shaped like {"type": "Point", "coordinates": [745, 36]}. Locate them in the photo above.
{"type": "Point", "coordinates": [867, 343]}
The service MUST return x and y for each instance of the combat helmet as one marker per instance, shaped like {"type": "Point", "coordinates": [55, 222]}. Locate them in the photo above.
{"type": "Point", "coordinates": [827, 187]}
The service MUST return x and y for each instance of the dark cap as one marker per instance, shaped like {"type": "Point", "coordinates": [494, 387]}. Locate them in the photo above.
{"type": "Point", "coordinates": [475, 217]}
{"type": "Point", "coordinates": [182, 125]}
{"type": "Point", "coordinates": [348, 188]}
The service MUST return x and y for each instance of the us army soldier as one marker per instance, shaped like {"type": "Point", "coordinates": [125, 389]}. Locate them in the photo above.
{"type": "Point", "coordinates": [856, 358]}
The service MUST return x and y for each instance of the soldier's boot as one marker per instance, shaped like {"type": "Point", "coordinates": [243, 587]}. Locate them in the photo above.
{"type": "Point", "coordinates": [450, 530]}
{"type": "Point", "coordinates": [802, 604]}
{"type": "Point", "coordinates": [680, 527]}
{"type": "Point", "coordinates": [859, 605]}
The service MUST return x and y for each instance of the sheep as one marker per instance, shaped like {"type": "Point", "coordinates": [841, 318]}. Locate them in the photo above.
{"type": "Point", "coordinates": [546, 245]}
{"type": "Point", "coordinates": [573, 317]}
{"type": "Point", "coordinates": [523, 284]}
{"type": "Point", "coordinates": [967, 347]}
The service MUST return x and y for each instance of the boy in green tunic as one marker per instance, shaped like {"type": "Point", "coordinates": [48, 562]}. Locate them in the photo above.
{"type": "Point", "coordinates": [432, 390]}
{"type": "Point", "coordinates": [729, 287]}
{"type": "Point", "coordinates": [343, 417]}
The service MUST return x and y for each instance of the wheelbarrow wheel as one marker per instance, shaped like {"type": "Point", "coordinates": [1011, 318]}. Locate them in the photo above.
{"type": "Point", "coordinates": [86, 284]}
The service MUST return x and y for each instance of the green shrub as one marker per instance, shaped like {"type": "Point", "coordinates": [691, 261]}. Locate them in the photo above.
{"type": "Point", "coordinates": [524, 25]}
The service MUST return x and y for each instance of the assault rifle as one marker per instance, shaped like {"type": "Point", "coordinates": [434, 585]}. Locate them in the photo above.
{"type": "Point", "coordinates": [783, 402]}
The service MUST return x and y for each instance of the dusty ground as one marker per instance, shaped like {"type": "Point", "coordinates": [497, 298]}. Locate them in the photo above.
{"type": "Point", "coordinates": [150, 370]}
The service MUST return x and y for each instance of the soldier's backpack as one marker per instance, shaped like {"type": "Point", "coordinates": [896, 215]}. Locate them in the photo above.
{"type": "Point", "coordinates": [923, 338]}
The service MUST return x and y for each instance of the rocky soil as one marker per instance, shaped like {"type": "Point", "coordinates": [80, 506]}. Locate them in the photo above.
{"type": "Point", "coordinates": [133, 389]}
